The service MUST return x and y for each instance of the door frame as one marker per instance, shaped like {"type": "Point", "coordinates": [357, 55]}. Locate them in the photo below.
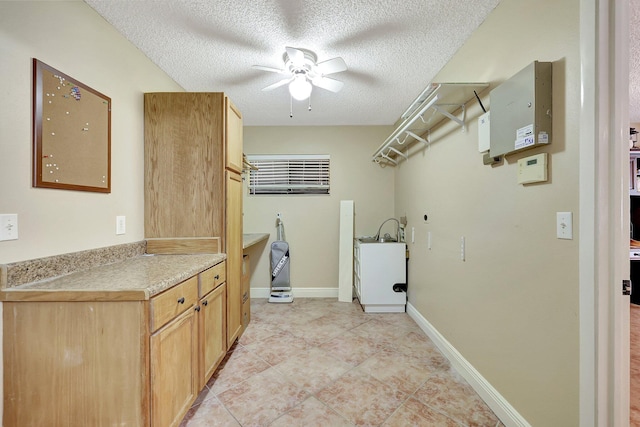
{"type": "Point", "coordinates": [604, 213]}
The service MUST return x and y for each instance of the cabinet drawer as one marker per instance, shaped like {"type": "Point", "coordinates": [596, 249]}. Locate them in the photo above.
{"type": "Point", "coordinates": [246, 313]}
{"type": "Point", "coordinates": [211, 278]}
{"type": "Point", "coordinates": [173, 301]}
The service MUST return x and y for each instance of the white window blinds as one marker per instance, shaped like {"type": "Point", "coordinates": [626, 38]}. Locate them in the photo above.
{"type": "Point", "coordinates": [289, 174]}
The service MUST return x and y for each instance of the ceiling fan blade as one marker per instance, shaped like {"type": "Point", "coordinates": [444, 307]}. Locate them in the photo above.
{"type": "Point", "coordinates": [276, 85]}
{"type": "Point", "coordinates": [327, 83]}
{"type": "Point", "coordinates": [295, 55]}
{"type": "Point", "coordinates": [331, 66]}
{"type": "Point", "coordinates": [270, 69]}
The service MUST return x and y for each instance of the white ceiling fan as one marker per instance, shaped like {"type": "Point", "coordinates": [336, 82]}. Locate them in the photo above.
{"type": "Point", "coordinates": [304, 71]}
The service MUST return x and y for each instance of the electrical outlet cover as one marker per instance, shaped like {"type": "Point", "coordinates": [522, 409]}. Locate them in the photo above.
{"type": "Point", "coordinates": [121, 224]}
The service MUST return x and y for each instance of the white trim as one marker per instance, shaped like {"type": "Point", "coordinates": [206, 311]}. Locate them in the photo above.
{"type": "Point", "coordinates": [383, 308]}
{"type": "Point", "coordinates": [345, 251]}
{"type": "Point", "coordinates": [619, 133]}
{"type": "Point", "coordinates": [587, 218]}
{"type": "Point", "coordinates": [604, 345]}
{"type": "Point", "coordinates": [299, 292]}
{"type": "Point", "coordinates": [498, 404]}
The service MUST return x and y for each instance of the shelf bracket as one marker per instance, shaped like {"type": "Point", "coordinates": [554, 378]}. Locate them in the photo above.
{"type": "Point", "coordinates": [418, 138]}
{"type": "Point", "coordinates": [389, 158]}
{"type": "Point", "coordinates": [444, 112]}
{"type": "Point", "coordinates": [400, 153]}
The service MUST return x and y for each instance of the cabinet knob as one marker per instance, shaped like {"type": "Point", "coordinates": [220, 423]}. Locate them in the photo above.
{"type": "Point", "coordinates": [217, 276]}
{"type": "Point", "coordinates": [197, 308]}
{"type": "Point", "coordinates": [205, 303]}
{"type": "Point", "coordinates": [181, 300]}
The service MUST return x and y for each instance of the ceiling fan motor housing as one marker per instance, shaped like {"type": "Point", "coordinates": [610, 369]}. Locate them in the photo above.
{"type": "Point", "coordinates": [306, 66]}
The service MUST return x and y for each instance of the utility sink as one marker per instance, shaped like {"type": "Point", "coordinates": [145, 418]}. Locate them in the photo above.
{"type": "Point", "coordinates": [374, 240]}
{"type": "Point", "coordinates": [368, 240]}
{"type": "Point", "coordinates": [384, 238]}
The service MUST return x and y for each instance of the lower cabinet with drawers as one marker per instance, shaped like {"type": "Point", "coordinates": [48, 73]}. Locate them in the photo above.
{"type": "Point", "coordinates": [119, 362]}
{"type": "Point", "coordinates": [246, 297]}
{"type": "Point", "coordinates": [212, 326]}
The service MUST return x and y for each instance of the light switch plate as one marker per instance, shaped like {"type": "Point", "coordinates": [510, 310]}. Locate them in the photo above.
{"type": "Point", "coordinates": [8, 227]}
{"type": "Point", "coordinates": [564, 225]}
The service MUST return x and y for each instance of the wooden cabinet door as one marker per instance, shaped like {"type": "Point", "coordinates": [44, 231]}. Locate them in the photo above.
{"type": "Point", "coordinates": [234, 256]}
{"type": "Point", "coordinates": [75, 364]}
{"type": "Point", "coordinates": [213, 333]}
{"type": "Point", "coordinates": [234, 137]}
{"type": "Point", "coordinates": [174, 385]}
{"type": "Point", "coordinates": [184, 164]}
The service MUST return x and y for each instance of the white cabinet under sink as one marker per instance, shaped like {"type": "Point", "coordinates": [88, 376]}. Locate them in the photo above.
{"type": "Point", "coordinates": [377, 268]}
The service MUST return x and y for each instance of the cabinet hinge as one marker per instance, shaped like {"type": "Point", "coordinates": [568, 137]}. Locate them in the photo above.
{"type": "Point", "coordinates": [626, 287]}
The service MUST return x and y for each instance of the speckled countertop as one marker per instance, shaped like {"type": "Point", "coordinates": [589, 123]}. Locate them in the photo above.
{"type": "Point", "coordinates": [137, 278]}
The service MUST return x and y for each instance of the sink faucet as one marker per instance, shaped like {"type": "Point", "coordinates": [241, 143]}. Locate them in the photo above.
{"type": "Point", "coordinates": [397, 228]}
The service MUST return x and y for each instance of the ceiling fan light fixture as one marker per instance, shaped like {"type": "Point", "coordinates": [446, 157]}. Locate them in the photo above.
{"type": "Point", "coordinates": [300, 88]}
{"type": "Point", "coordinates": [303, 72]}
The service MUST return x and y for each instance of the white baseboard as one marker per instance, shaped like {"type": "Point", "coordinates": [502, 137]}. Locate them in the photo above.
{"type": "Point", "coordinates": [498, 404]}
{"type": "Point", "coordinates": [299, 292]}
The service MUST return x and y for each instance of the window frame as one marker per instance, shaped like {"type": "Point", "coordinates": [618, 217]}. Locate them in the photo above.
{"type": "Point", "coordinates": [289, 174]}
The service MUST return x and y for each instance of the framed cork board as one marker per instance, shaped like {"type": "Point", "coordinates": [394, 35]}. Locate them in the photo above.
{"type": "Point", "coordinates": [71, 133]}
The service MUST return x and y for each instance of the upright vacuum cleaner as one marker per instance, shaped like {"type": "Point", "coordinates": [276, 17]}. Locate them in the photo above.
{"type": "Point", "coordinates": [280, 286]}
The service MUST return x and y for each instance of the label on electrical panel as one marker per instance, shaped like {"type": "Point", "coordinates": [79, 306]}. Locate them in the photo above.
{"type": "Point", "coordinates": [524, 142]}
{"type": "Point", "coordinates": [543, 137]}
{"type": "Point", "coordinates": [524, 137]}
{"type": "Point", "coordinates": [523, 132]}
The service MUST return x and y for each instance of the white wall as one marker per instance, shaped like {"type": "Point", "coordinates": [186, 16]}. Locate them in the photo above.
{"type": "Point", "coordinates": [511, 308]}
{"type": "Point", "coordinates": [312, 222]}
{"type": "Point", "coordinates": [75, 40]}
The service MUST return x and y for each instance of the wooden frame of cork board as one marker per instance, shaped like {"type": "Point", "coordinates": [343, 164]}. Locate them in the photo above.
{"type": "Point", "coordinates": [71, 133]}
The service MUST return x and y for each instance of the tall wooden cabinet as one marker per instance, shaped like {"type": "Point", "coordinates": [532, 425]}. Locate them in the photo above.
{"type": "Point", "coordinates": [233, 122]}
{"type": "Point", "coordinates": [234, 258]}
{"type": "Point", "coordinates": [193, 184]}
{"type": "Point", "coordinates": [233, 180]}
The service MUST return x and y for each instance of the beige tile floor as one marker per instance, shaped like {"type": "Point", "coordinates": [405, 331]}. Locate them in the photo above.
{"type": "Point", "coordinates": [319, 362]}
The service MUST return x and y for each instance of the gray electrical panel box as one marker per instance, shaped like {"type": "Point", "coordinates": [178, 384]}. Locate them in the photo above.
{"type": "Point", "coordinates": [521, 111]}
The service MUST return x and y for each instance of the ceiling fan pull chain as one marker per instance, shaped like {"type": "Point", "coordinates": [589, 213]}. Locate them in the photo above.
{"type": "Point", "coordinates": [309, 102]}
{"type": "Point", "coordinates": [291, 106]}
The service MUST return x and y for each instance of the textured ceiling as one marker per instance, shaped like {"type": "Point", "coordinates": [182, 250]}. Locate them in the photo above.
{"type": "Point", "coordinates": [392, 50]}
